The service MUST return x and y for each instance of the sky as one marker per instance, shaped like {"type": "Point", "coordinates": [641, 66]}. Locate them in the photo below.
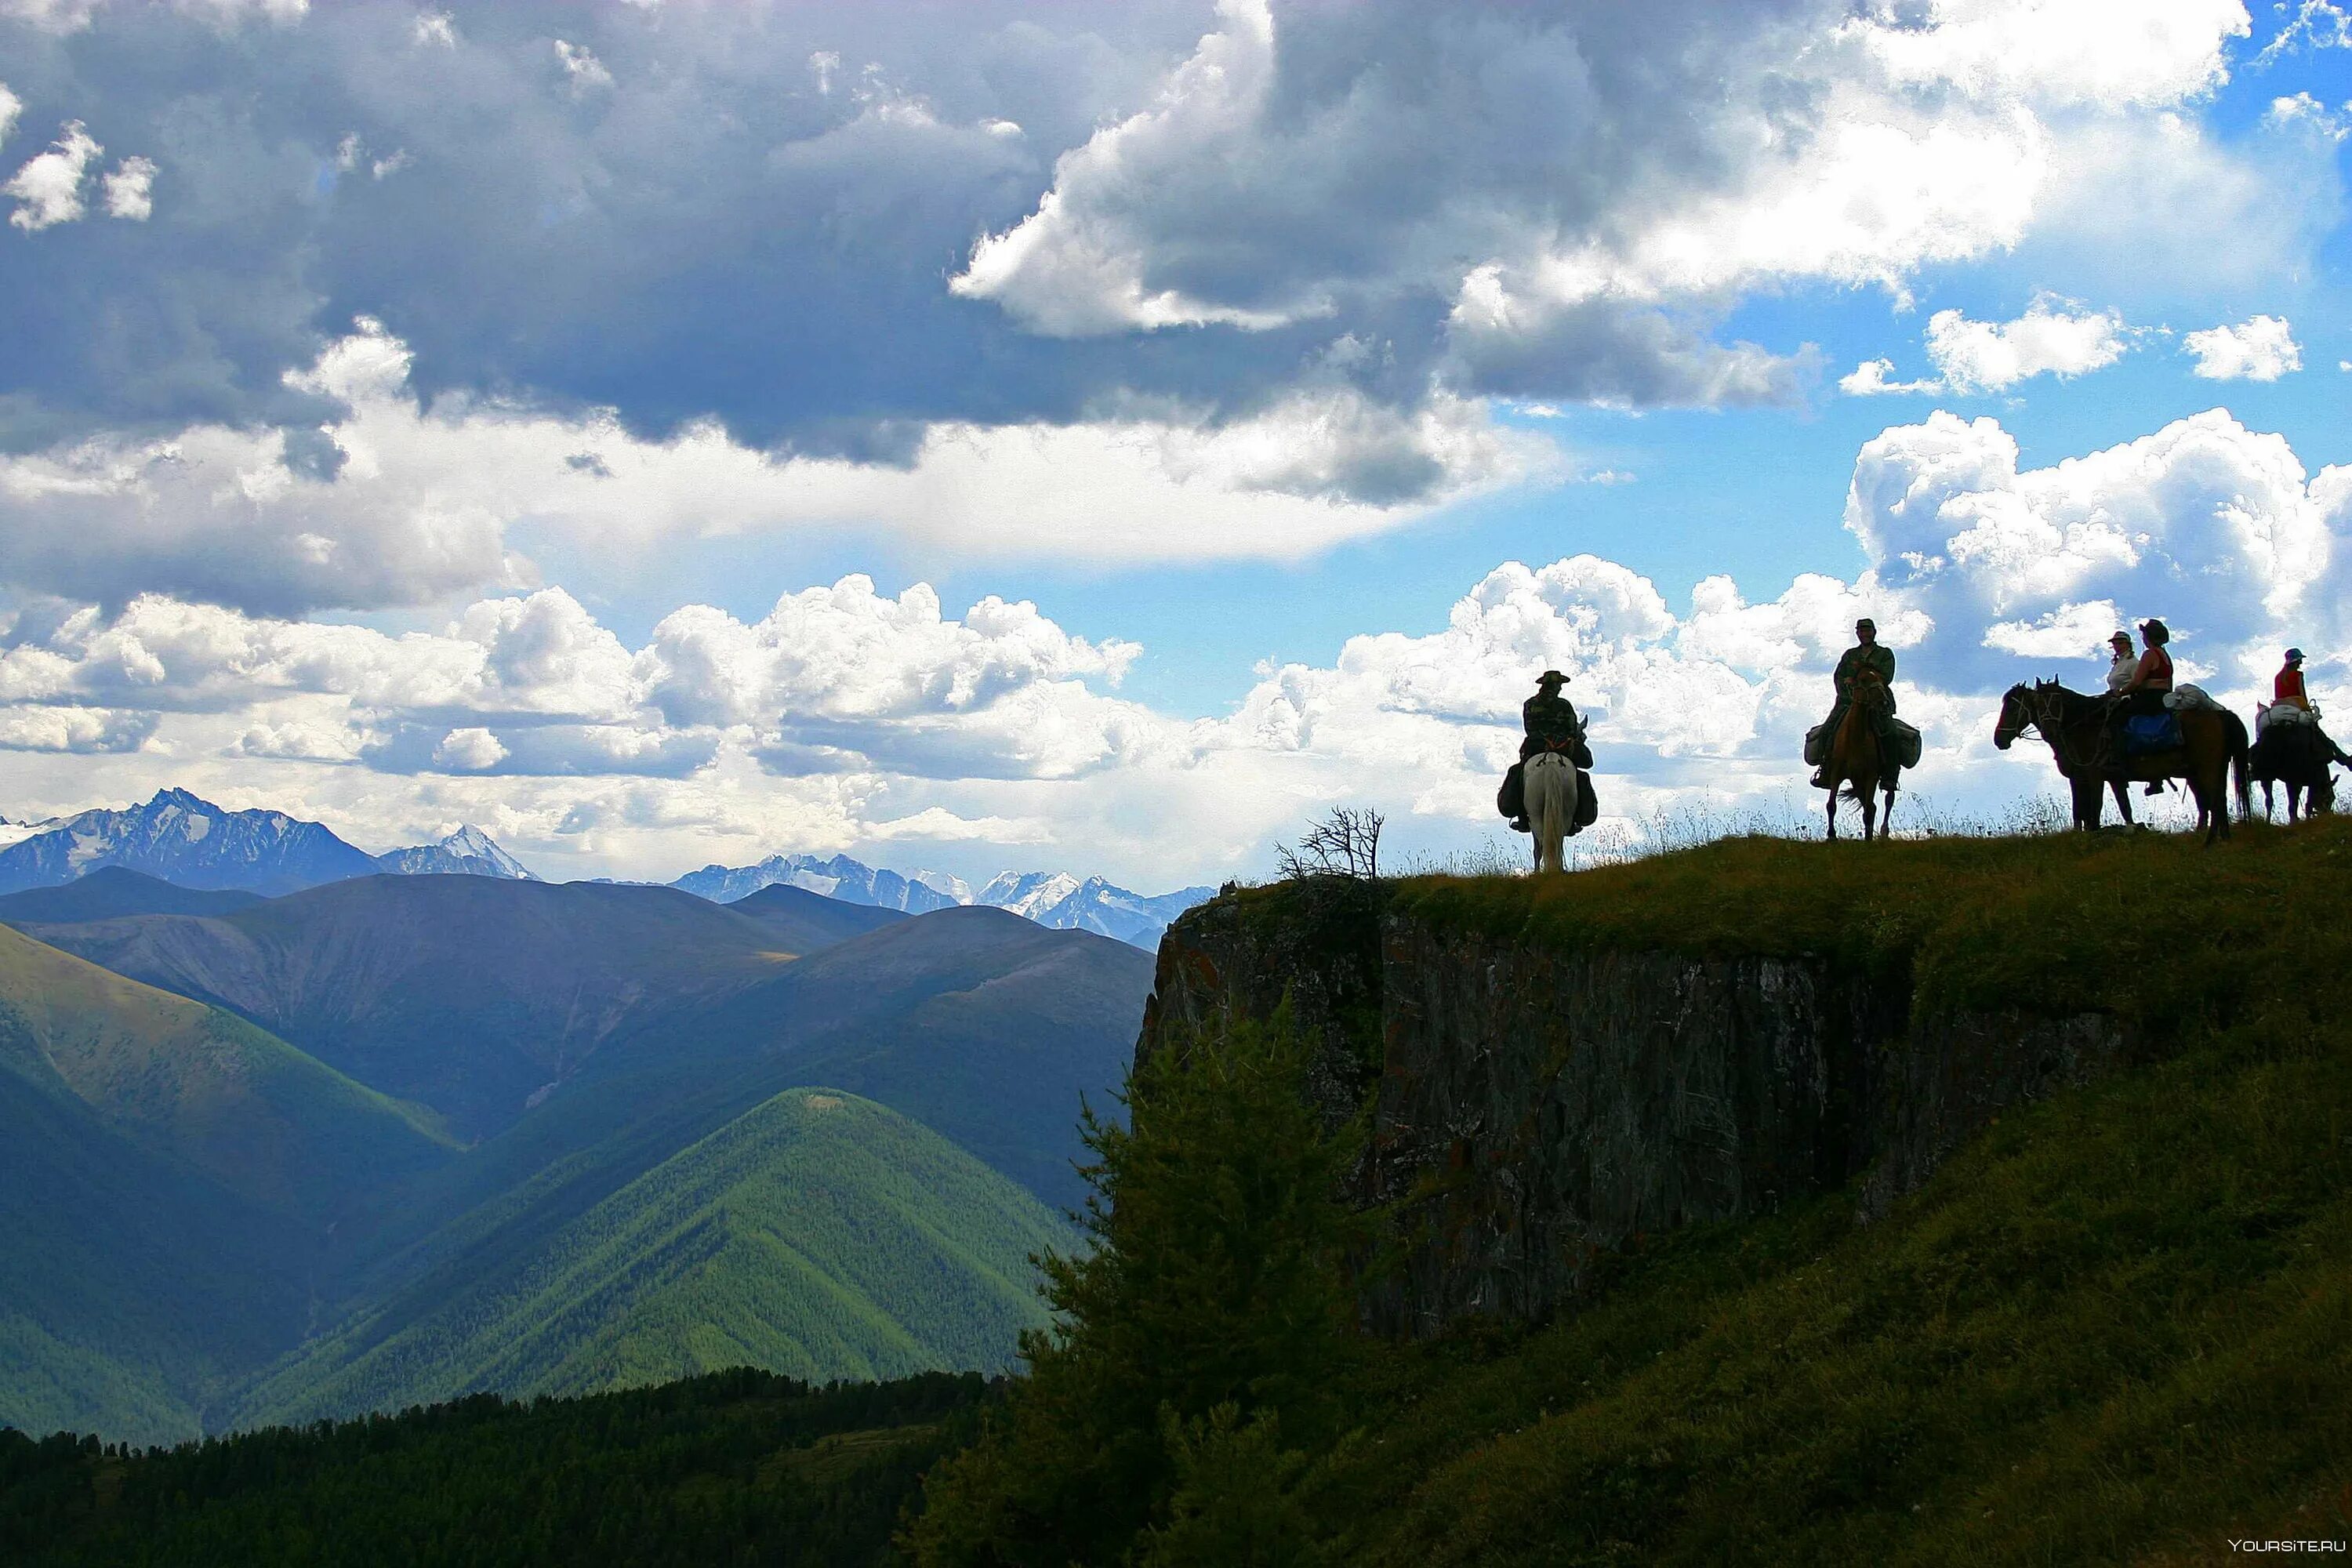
{"type": "Point", "coordinates": [979, 436]}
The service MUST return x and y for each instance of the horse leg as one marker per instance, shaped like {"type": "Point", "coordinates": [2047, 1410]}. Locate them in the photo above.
{"type": "Point", "coordinates": [2121, 789]}
{"type": "Point", "coordinates": [2267, 803]}
{"type": "Point", "coordinates": [1833, 812]}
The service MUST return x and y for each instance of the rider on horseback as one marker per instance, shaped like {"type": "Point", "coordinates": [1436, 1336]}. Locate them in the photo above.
{"type": "Point", "coordinates": [1868, 653]}
{"type": "Point", "coordinates": [1551, 725]}
{"type": "Point", "coordinates": [2144, 693]}
{"type": "Point", "coordinates": [2126, 663]}
{"type": "Point", "coordinates": [2288, 690]}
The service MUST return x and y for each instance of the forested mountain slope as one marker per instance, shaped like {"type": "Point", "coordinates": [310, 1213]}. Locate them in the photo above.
{"type": "Point", "coordinates": [733, 1468]}
{"type": "Point", "coordinates": [818, 1235]}
{"type": "Point", "coordinates": [167, 1173]}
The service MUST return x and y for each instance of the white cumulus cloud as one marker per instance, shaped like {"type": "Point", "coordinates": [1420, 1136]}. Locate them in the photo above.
{"type": "Point", "coordinates": [2260, 349]}
{"type": "Point", "coordinates": [2048, 339]}
{"type": "Point", "coordinates": [47, 188]}
{"type": "Point", "coordinates": [469, 750]}
{"type": "Point", "coordinates": [131, 189]}
{"type": "Point", "coordinates": [586, 72]}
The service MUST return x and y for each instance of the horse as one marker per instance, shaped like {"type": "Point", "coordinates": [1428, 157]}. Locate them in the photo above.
{"type": "Point", "coordinates": [1856, 757]}
{"type": "Point", "coordinates": [2299, 756]}
{"type": "Point", "coordinates": [1551, 807]}
{"type": "Point", "coordinates": [2213, 746]}
{"type": "Point", "coordinates": [2075, 743]}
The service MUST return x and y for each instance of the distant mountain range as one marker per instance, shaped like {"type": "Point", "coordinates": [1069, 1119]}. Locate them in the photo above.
{"type": "Point", "coordinates": [396, 1138]}
{"type": "Point", "coordinates": [191, 841]}
{"type": "Point", "coordinates": [1053, 898]}
{"type": "Point", "coordinates": [182, 839]}
{"type": "Point", "coordinates": [837, 878]}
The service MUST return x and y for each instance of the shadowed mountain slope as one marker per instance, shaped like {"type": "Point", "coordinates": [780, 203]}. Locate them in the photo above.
{"type": "Point", "coordinates": [805, 922]}
{"type": "Point", "coordinates": [817, 1235]}
{"type": "Point", "coordinates": [111, 893]}
{"type": "Point", "coordinates": [205, 1087]}
{"type": "Point", "coordinates": [469, 995]}
{"type": "Point", "coordinates": [165, 1173]}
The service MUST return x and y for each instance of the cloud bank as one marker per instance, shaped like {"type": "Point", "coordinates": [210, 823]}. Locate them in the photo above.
{"type": "Point", "coordinates": [845, 717]}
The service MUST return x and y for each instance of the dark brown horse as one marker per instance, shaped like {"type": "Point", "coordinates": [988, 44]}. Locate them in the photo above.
{"type": "Point", "coordinates": [1856, 759]}
{"type": "Point", "coordinates": [2214, 745]}
{"type": "Point", "coordinates": [2299, 756]}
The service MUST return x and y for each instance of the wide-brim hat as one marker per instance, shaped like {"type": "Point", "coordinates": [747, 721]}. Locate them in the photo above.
{"type": "Point", "coordinates": [2124, 637]}
{"type": "Point", "coordinates": [2155, 629]}
{"type": "Point", "coordinates": [1552, 678]}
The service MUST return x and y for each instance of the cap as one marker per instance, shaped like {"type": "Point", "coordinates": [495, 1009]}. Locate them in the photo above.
{"type": "Point", "coordinates": [2292, 654]}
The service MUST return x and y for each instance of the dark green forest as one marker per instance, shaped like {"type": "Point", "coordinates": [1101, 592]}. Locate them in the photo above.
{"type": "Point", "coordinates": [734, 1468]}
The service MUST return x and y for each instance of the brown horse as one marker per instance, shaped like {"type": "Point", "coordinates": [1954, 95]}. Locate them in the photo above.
{"type": "Point", "coordinates": [1855, 758]}
{"type": "Point", "coordinates": [2213, 746]}
{"type": "Point", "coordinates": [2078, 749]}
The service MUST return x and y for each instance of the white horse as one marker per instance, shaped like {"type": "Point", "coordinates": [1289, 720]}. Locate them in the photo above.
{"type": "Point", "coordinates": [1551, 807]}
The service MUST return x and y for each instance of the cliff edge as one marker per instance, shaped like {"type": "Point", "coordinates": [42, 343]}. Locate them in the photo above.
{"type": "Point", "coordinates": [1553, 1071]}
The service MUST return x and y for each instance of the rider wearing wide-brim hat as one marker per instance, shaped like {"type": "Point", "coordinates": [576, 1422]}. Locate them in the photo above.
{"type": "Point", "coordinates": [1551, 725]}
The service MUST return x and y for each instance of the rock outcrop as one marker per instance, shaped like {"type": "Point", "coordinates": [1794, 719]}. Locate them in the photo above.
{"type": "Point", "coordinates": [1536, 1107]}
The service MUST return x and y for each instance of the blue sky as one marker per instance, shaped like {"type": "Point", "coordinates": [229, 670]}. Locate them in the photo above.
{"type": "Point", "coordinates": [601, 422]}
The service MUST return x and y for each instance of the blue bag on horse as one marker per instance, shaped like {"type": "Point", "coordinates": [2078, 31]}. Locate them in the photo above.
{"type": "Point", "coordinates": [2145, 733]}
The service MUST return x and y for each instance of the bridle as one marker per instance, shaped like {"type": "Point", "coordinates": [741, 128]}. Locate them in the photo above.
{"type": "Point", "coordinates": [2045, 710]}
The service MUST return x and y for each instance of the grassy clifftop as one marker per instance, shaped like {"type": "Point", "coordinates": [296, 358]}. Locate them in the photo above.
{"type": "Point", "coordinates": [2111, 1329]}
{"type": "Point", "coordinates": [2152, 927]}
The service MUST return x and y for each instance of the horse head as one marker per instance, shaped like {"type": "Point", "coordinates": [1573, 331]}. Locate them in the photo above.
{"type": "Point", "coordinates": [2016, 715]}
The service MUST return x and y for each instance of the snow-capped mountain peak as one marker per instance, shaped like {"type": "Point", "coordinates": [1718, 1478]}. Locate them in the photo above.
{"type": "Point", "coordinates": [182, 838]}
{"type": "Point", "coordinates": [468, 852]}
{"type": "Point", "coordinates": [1027, 893]}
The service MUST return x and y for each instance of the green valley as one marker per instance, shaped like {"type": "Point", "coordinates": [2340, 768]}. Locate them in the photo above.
{"type": "Point", "coordinates": [818, 1235]}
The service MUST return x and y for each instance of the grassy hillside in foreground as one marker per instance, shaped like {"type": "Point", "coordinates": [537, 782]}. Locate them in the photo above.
{"type": "Point", "coordinates": [2112, 1331]}
{"type": "Point", "coordinates": [738, 1468]}
{"type": "Point", "coordinates": [818, 1235]}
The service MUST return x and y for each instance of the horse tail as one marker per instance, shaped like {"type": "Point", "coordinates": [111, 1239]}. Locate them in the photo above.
{"type": "Point", "coordinates": [2240, 753]}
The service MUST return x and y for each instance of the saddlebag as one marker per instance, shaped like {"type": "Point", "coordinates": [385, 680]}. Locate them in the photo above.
{"type": "Point", "coordinates": [2146, 733]}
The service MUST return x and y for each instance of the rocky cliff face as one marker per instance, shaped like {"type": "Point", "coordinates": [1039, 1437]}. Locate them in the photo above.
{"type": "Point", "coordinates": [1535, 1108]}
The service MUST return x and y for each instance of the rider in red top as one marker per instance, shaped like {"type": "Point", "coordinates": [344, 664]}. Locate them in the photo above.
{"type": "Point", "coordinates": [2145, 692]}
{"type": "Point", "coordinates": [2288, 688]}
